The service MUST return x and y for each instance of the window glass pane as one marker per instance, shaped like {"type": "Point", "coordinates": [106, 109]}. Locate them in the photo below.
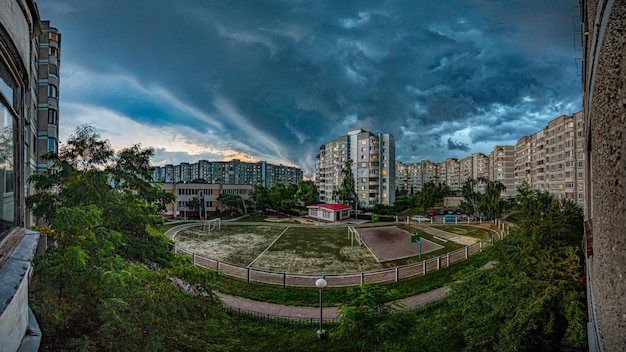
{"type": "Point", "coordinates": [6, 84]}
{"type": "Point", "coordinates": [7, 183]}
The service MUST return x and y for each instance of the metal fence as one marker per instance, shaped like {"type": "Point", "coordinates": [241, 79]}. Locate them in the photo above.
{"type": "Point", "coordinates": [337, 280]}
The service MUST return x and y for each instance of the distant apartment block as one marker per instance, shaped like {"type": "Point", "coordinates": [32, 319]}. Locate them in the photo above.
{"type": "Point", "coordinates": [373, 167]}
{"type": "Point", "coordinates": [502, 168]}
{"type": "Point", "coordinates": [413, 177]}
{"type": "Point", "coordinates": [449, 173]}
{"type": "Point", "coordinates": [207, 195]}
{"type": "Point", "coordinates": [552, 159]}
{"type": "Point", "coordinates": [233, 172]}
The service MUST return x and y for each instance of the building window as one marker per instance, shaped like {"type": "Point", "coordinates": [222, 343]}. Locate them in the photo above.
{"type": "Point", "coordinates": [6, 85]}
{"type": "Point", "coordinates": [53, 36]}
{"type": "Point", "coordinates": [7, 160]}
{"type": "Point", "coordinates": [52, 91]}
{"type": "Point", "coordinates": [52, 145]}
{"type": "Point", "coordinates": [53, 52]}
{"type": "Point", "coordinates": [52, 116]}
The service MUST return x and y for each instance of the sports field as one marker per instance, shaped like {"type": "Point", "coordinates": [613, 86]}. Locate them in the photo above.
{"type": "Point", "coordinates": [303, 250]}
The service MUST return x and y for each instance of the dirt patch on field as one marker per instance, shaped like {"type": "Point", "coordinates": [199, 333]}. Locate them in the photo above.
{"type": "Point", "coordinates": [237, 245]}
{"type": "Point", "coordinates": [392, 243]}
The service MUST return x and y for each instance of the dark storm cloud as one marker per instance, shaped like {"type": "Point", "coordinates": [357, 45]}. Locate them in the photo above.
{"type": "Point", "coordinates": [279, 78]}
{"type": "Point", "coordinates": [454, 145]}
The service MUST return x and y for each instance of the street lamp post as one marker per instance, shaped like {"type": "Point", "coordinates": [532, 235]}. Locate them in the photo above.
{"type": "Point", "coordinates": [321, 283]}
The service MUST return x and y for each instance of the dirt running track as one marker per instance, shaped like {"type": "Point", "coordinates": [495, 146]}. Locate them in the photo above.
{"type": "Point", "coordinates": [392, 243]}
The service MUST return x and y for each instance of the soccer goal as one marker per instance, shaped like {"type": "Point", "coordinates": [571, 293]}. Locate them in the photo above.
{"type": "Point", "coordinates": [211, 225]}
{"type": "Point", "coordinates": [354, 235]}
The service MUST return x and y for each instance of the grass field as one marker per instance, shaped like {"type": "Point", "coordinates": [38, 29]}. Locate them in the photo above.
{"type": "Point", "coordinates": [297, 250]}
{"type": "Point", "coordinates": [238, 245]}
{"type": "Point", "coordinates": [316, 250]}
{"type": "Point", "coordinates": [305, 250]}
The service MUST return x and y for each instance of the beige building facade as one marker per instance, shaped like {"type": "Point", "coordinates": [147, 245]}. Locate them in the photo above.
{"type": "Point", "coordinates": [552, 160]}
{"type": "Point", "coordinates": [207, 194]}
{"type": "Point", "coordinates": [604, 133]}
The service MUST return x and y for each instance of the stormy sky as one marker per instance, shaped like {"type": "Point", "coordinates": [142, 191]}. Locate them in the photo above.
{"type": "Point", "coordinates": [274, 79]}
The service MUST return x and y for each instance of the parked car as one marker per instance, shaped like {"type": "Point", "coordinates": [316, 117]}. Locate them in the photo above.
{"type": "Point", "coordinates": [458, 212]}
{"type": "Point", "coordinates": [430, 213]}
{"type": "Point", "coordinates": [420, 218]}
{"type": "Point", "coordinates": [441, 212]}
{"type": "Point", "coordinates": [449, 218]}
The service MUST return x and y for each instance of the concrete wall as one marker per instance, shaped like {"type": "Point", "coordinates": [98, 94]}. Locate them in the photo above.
{"type": "Point", "coordinates": [15, 317]}
{"type": "Point", "coordinates": [604, 104]}
{"type": "Point", "coordinates": [14, 17]}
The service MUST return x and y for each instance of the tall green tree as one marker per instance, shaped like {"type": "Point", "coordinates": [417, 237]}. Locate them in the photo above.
{"type": "Point", "coordinates": [428, 196]}
{"type": "Point", "coordinates": [347, 191]}
{"type": "Point", "coordinates": [307, 193]}
{"type": "Point", "coordinates": [231, 201]}
{"type": "Point", "coordinates": [88, 174]}
{"type": "Point", "coordinates": [491, 200]}
{"type": "Point", "coordinates": [194, 205]}
{"type": "Point", "coordinates": [471, 197]}
{"type": "Point", "coordinates": [282, 197]}
{"type": "Point", "coordinates": [261, 198]}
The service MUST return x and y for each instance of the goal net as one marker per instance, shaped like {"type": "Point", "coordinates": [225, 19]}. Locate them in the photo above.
{"type": "Point", "coordinates": [354, 235]}
{"type": "Point", "coordinates": [211, 225]}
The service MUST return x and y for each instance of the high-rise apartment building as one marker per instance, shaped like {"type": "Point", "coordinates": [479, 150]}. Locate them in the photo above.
{"type": "Point", "coordinates": [373, 167]}
{"type": "Point", "coordinates": [234, 172]}
{"type": "Point", "coordinates": [48, 68]}
{"type": "Point", "coordinates": [552, 159]}
{"type": "Point", "coordinates": [502, 168]}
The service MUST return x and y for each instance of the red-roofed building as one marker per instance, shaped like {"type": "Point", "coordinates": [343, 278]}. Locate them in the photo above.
{"type": "Point", "coordinates": [329, 212]}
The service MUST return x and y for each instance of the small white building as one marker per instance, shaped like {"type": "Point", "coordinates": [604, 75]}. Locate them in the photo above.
{"type": "Point", "coordinates": [329, 212]}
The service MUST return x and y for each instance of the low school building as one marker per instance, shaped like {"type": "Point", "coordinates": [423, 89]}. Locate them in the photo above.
{"type": "Point", "coordinates": [329, 212]}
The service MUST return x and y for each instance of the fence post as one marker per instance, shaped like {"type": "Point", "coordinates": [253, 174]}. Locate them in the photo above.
{"type": "Point", "coordinates": [248, 268]}
{"type": "Point", "coordinates": [480, 245]}
{"type": "Point", "coordinates": [362, 277]}
{"type": "Point", "coordinates": [448, 260]}
{"type": "Point", "coordinates": [424, 267]}
{"type": "Point", "coordinates": [284, 280]}
{"type": "Point", "coordinates": [193, 258]}
{"type": "Point", "coordinates": [438, 262]}
{"type": "Point", "coordinates": [396, 274]}
{"type": "Point", "coordinates": [218, 266]}
{"type": "Point", "coordinates": [174, 248]}
{"type": "Point", "coordinates": [466, 252]}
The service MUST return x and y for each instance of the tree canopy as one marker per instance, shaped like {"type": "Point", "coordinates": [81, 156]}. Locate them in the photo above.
{"type": "Point", "coordinates": [346, 192]}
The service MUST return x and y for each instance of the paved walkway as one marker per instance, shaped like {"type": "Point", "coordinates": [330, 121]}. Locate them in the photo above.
{"type": "Point", "coordinates": [273, 310]}
{"type": "Point", "coordinates": [464, 240]}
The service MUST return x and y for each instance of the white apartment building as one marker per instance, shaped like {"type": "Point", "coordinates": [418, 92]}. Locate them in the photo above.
{"type": "Point", "coordinates": [373, 167]}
